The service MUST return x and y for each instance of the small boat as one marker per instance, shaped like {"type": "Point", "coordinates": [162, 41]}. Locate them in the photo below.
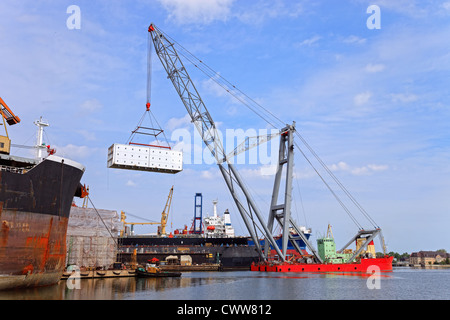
{"type": "Point", "coordinates": [154, 272]}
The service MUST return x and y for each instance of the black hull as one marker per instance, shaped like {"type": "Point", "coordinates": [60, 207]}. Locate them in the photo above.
{"type": "Point", "coordinates": [183, 241]}
{"type": "Point", "coordinates": [34, 212]}
{"type": "Point", "coordinates": [230, 253]}
{"type": "Point", "coordinates": [47, 188]}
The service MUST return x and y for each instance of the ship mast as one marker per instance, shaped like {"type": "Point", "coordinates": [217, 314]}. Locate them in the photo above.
{"type": "Point", "coordinates": [40, 147]}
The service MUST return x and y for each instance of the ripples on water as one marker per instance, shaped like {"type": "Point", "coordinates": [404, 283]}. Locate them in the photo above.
{"type": "Point", "coordinates": [402, 284]}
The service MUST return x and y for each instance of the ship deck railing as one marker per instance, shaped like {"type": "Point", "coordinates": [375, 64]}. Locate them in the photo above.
{"type": "Point", "coordinates": [164, 249]}
{"type": "Point", "coordinates": [20, 170]}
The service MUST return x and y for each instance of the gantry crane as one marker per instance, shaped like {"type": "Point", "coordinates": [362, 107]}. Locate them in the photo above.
{"type": "Point", "coordinates": [164, 218]}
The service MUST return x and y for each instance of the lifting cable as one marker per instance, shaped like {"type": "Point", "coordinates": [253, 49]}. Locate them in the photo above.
{"type": "Point", "coordinates": [149, 71]}
{"type": "Point", "coordinates": [112, 237]}
{"type": "Point", "coordinates": [152, 131]}
{"type": "Point", "coordinates": [138, 217]}
{"type": "Point", "coordinates": [253, 105]}
{"type": "Point", "coordinates": [330, 189]}
{"type": "Point", "coordinates": [349, 195]}
{"type": "Point", "coordinates": [225, 84]}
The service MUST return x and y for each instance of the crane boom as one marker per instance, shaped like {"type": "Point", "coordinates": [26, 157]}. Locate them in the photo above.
{"type": "Point", "coordinates": [165, 213]}
{"type": "Point", "coordinates": [164, 217]}
{"type": "Point", "coordinates": [202, 119]}
{"type": "Point", "coordinates": [7, 114]}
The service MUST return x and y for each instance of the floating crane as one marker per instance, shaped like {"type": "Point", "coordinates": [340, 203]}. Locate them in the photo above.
{"type": "Point", "coordinates": [202, 119]}
{"type": "Point", "coordinates": [165, 48]}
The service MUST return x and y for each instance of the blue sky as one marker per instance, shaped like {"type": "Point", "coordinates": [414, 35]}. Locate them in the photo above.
{"type": "Point", "coordinates": [373, 103]}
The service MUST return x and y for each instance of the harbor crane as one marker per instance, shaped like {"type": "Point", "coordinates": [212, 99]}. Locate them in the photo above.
{"type": "Point", "coordinates": [164, 217]}
{"type": "Point", "coordinates": [200, 116]}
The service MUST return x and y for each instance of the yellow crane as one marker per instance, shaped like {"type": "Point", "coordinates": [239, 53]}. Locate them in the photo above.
{"type": "Point", "coordinates": [164, 218]}
{"type": "Point", "coordinates": [165, 213]}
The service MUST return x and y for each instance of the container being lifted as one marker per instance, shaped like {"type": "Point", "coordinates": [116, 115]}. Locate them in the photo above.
{"type": "Point", "coordinates": [144, 156]}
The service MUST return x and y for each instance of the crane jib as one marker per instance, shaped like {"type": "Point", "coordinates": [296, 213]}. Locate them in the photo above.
{"type": "Point", "coordinates": [202, 119]}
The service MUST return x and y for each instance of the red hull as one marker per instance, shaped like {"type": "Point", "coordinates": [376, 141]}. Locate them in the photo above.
{"type": "Point", "coordinates": [364, 265]}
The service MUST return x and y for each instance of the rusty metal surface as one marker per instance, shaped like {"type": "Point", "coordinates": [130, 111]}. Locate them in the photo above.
{"type": "Point", "coordinates": [33, 246]}
{"type": "Point", "coordinates": [34, 213]}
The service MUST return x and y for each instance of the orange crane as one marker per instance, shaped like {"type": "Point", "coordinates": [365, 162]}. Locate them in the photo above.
{"type": "Point", "coordinates": [10, 118]}
{"type": "Point", "coordinates": [7, 114]}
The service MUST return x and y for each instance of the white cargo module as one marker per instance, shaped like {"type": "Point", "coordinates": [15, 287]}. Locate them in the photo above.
{"type": "Point", "coordinates": [142, 158]}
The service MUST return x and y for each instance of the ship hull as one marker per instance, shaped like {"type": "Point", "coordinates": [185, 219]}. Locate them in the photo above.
{"type": "Point", "coordinates": [34, 214]}
{"type": "Point", "coordinates": [231, 253]}
{"type": "Point", "coordinates": [363, 266]}
{"type": "Point", "coordinates": [32, 250]}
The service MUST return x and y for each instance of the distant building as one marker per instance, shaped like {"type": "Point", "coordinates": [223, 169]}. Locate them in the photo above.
{"type": "Point", "coordinates": [428, 257]}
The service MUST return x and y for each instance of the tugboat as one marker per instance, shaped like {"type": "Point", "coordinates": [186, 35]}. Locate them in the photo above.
{"type": "Point", "coordinates": [153, 271]}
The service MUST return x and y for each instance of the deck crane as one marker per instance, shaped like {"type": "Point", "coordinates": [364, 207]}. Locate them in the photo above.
{"type": "Point", "coordinates": [202, 119]}
{"type": "Point", "coordinates": [8, 117]}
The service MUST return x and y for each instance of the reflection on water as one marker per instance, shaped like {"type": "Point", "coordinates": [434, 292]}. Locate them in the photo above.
{"type": "Point", "coordinates": [246, 285]}
{"type": "Point", "coordinates": [112, 288]}
{"type": "Point", "coordinates": [142, 288]}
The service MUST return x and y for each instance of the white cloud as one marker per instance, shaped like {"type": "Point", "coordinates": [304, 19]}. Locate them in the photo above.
{"type": "Point", "coordinates": [362, 98]}
{"type": "Point", "coordinates": [261, 11]}
{"type": "Point", "coordinates": [374, 68]}
{"type": "Point", "coordinates": [358, 171]}
{"type": "Point", "coordinates": [354, 40]}
{"type": "Point", "coordinates": [74, 152]}
{"type": "Point", "coordinates": [131, 183]}
{"type": "Point", "coordinates": [309, 42]}
{"type": "Point", "coordinates": [446, 5]}
{"type": "Point", "coordinates": [404, 98]}
{"type": "Point", "coordinates": [91, 105]}
{"type": "Point", "coordinates": [341, 166]}
{"type": "Point", "coordinates": [197, 11]}
{"type": "Point", "coordinates": [88, 134]}
{"type": "Point", "coordinates": [175, 123]}
{"type": "Point", "coordinates": [211, 174]}
{"type": "Point", "coordinates": [375, 167]}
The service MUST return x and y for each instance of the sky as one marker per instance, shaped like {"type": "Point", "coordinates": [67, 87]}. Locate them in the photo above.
{"type": "Point", "coordinates": [368, 91]}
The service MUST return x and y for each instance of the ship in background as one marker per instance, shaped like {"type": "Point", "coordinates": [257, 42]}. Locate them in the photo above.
{"type": "Point", "coordinates": [210, 240]}
{"type": "Point", "coordinates": [35, 199]}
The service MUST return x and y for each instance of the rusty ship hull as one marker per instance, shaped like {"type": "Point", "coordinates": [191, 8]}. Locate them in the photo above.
{"type": "Point", "coordinates": [35, 202]}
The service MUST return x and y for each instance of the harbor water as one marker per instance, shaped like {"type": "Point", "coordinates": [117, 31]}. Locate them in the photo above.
{"type": "Point", "coordinates": [401, 284]}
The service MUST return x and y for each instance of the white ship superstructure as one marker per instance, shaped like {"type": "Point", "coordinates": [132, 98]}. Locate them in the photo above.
{"type": "Point", "coordinates": [217, 226]}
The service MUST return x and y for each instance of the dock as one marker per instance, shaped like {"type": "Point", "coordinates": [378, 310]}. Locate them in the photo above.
{"type": "Point", "coordinates": [191, 268]}
{"type": "Point", "coordinates": [97, 274]}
